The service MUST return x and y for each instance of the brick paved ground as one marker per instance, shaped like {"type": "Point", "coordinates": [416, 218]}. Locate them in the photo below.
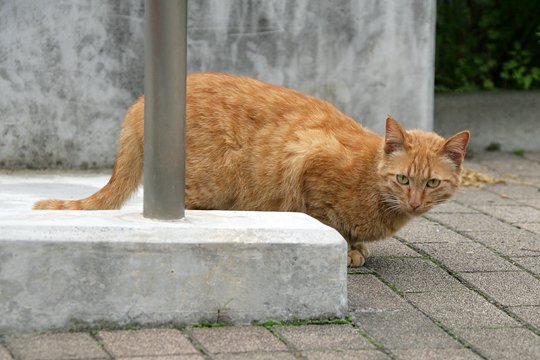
{"type": "Point", "coordinates": [461, 283]}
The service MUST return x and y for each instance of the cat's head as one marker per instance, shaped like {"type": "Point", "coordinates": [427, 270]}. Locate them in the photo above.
{"type": "Point", "coordinates": [419, 169]}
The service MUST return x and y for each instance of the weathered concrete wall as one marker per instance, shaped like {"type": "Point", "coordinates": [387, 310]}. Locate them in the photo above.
{"type": "Point", "coordinates": [69, 69]}
{"type": "Point", "coordinates": [509, 118]}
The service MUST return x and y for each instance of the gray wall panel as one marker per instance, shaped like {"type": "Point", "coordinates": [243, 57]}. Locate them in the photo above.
{"type": "Point", "coordinates": [70, 68]}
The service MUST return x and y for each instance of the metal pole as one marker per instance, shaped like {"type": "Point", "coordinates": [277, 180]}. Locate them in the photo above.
{"type": "Point", "coordinates": [165, 108]}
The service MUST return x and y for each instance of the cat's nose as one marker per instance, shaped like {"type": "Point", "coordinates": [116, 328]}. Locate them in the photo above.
{"type": "Point", "coordinates": [414, 204]}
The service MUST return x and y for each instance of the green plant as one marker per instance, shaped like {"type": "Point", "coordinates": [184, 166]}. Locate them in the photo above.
{"type": "Point", "coordinates": [270, 323]}
{"type": "Point", "coordinates": [518, 151]}
{"type": "Point", "coordinates": [487, 44]}
{"type": "Point", "coordinates": [519, 68]}
{"type": "Point", "coordinates": [494, 146]}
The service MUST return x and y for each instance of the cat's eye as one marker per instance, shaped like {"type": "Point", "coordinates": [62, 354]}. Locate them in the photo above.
{"type": "Point", "coordinates": [402, 179]}
{"type": "Point", "coordinates": [433, 183]}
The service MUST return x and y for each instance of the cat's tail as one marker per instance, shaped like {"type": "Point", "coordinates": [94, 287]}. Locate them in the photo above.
{"type": "Point", "coordinates": [127, 171]}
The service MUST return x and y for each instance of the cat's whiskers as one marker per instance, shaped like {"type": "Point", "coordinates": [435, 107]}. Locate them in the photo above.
{"type": "Point", "coordinates": [391, 204]}
{"type": "Point", "coordinates": [437, 202]}
{"type": "Point", "coordinates": [391, 209]}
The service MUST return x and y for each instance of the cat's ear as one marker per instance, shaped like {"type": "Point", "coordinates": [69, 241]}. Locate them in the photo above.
{"type": "Point", "coordinates": [456, 146]}
{"type": "Point", "coordinates": [395, 136]}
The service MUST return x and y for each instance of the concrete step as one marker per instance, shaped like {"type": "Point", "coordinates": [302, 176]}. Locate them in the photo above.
{"type": "Point", "coordinates": [59, 268]}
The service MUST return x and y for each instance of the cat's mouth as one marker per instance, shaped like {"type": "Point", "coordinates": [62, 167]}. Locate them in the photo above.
{"type": "Point", "coordinates": [417, 211]}
{"type": "Point", "coordinates": [414, 210]}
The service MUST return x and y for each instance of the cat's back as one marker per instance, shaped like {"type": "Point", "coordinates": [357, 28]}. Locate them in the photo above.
{"type": "Point", "coordinates": [240, 106]}
{"type": "Point", "coordinates": [246, 138]}
{"type": "Point", "coordinates": [227, 94]}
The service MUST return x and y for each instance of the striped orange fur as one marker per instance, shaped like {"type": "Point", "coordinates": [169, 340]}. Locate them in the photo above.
{"type": "Point", "coordinates": [256, 146]}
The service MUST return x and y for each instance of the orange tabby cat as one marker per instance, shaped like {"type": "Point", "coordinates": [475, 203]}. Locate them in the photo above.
{"type": "Point", "coordinates": [256, 146]}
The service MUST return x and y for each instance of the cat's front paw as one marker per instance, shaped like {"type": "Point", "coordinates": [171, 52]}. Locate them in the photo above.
{"type": "Point", "coordinates": [355, 258]}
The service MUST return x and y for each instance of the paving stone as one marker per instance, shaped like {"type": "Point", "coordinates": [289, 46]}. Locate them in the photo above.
{"type": "Point", "coordinates": [531, 263]}
{"type": "Point", "coordinates": [508, 163]}
{"type": "Point", "coordinates": [504, 343]}
{"type": "Point", "coordinates": [516, 191]}
{"type": "Point", "coordinates": [532, 155]}
{"type": "Point", "coordinates": [390, 247]}
{"type": "Point", "coordinates": [421, 230]}
{"type": "Point", "coordinates": [368, 294]}
{"type": "Point", "coordinates": [486, 162]}
{"type": "Point", "coordinates": [530, 314]}
{"type": "Point", "coordinates": [254, 356]}
{"type": "Point", "coordinates": [414, 274]}
{"type": "Point", "coordinates": [475, 196]}
{"type": "Point", "coordinates": [474, 163]}
{"type": "Point", "coordinates": [146, 342]}
{"type": "Point", "coordinates": [471, 222]}
{"type": "Point", "coordinates": [166, 357]}
{"type": "Point", "coordinates": [56, 347]}
{"type": "Point", "coordinates": [324, 337]}
{"type": "Point", "coordinates": [511, 214]}
{"type": "Point", "coordinates": [345, 355]}
{"type": "Point", "coordinates": [534, 202]}
{"type": "Point", "coordinates": [531, 226]}
{"type": "Point", "coordinates": [533, 180]}
{"type": "Point", "coordinates": [451, 207]}
{"type": "Point", "coordinates": [238, 339]}
{"type": "Point", "coordinates": [4, 355]}
{"type": "Point", "coordinates": [520, 175]}
{"type": "Point", "coordinates": [404, 330]}
{"type": "Point", "coordinates": [436, 354]}
{"type": "Point", "coordinates": [463, 308]}
{"type": "Point", "coordinates": [467, 256]}
{"type": "Point", "coordinates": [508, 288]}
{"type": "Point", "coordinates": [513, 243]}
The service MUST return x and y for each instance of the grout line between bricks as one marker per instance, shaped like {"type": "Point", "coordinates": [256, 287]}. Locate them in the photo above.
{"type": "Point", "coordinates": [473, 288]}
{"type": "Point", "coordinates": [380, 347]}
{"type": "Point", "coordinates": [497, 252]}
{"type": "Point", "coordinates": [293, 349]}
{"type": "Point", "coordinates": [439, 324]}
{"type": "Point", "coordinates": [299, 355]}
{"type": "Point", "coordinates": [94, 335]}
{"type": "Point", "coordinates": [529, 205]}
{"type": "Point", "coordinates": [503, 220]}
{"type": "Point", "coordinates": [483, 271]}
{"type": "Point", "coordinates": [196, 343]}
{"type": "Point", "coordinates": [4, 344]}
{"type": "Point", "coordinates": [519, 201]}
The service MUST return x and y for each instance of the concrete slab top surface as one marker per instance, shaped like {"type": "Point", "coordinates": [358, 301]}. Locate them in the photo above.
{"type": "Point", "coordinates": [28, 225]}
{"type": "Point", "coordinates": [472, 297]}
{"type": "Point", "coordinates": [18, 191]}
